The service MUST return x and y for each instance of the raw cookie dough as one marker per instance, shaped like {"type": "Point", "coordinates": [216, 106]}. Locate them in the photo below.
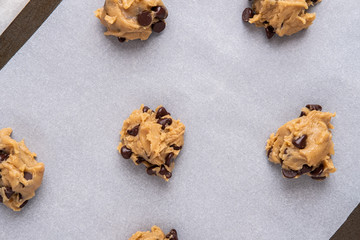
{"type": "Point", "coordinates": [132, 19]}
{"type": "Point", "coordinates": [153, 139]}
{"type": "Point", "coordinates": [20, 173]}
{"type": "Point", "coordinates": [304, 145]}
{"type": "Point", "coordinates": [283, 17]}
{"type": "Point", "coordinates": [155, 234]}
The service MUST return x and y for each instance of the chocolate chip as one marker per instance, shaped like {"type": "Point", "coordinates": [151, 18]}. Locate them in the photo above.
{"type": "Point", "coordinates": [126, 152]}
{"type": "Point", "coordinates": [158, 26]}
{"type": "Point", "coordinates": [300, 142]}
{"type": "Point", "coordinates": [28, 176]}
{"type": "Point", "coordinates": [121, 39]}
{"type": "Point", "coordinates": [164, 171]}
{"type": "Point", "coordinates": [140, 160]}
{"type": "Point", "coordinates": [160, 12]}
{"type": "Point", "coordinates": [314, 107]}
{"type": "Point", "coordinates": [269, 152]}
{"type": "Point", "coordinates": [150, 170]}
{"type": "Point", "coordinates": [168, 159]}
{"type": "Point", "coordinates": [134, 131]}
{"type": "Point", "coordinates": [285, 151]}
{"type": "Point", "coordinates": [145, 109]}
{"type": "Point", "coordinates": [161, 112]}
{"type": "Point", "coordinates": [24, 203]}
{"type": "Point", "coordinates": [1, 199]}
{"type": "Point", "coordinates": [20, 196]}
{"type": "Point", "coordinates": [172, 235]}
{"type": "Point", "coordinates": [269, 32]}
{"type": "Point", "coordinates": [288, 173]}
{"type": "Point", "coordinates": [9, 192]}
{"type": "Point", "coordinates": [318, 178]}
{"type": "Point", "coordinates": [176, 147]}
{"type": "Point", "coordinates": [164, 121]}
{"type": "Point", "coordinates": [247, 14]}
{"type": "Point", "coordinates": [3, 156]}
{"type": "Point", "coordinates": [144, 18]}
{"type": "Point", "coordinates": [305, 169]}
{"type": "Point", "coordinates": [318, 171]}
{"type": "Point", "coordinates": [302, 114]}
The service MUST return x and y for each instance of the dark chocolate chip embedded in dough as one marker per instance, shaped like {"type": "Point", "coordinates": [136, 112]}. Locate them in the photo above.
{"type": "Point", "coordinates": [145, 109]}
{"type": "Point", "coordinates": [164, 121]}
{"type": "Point", "coordinates": [318, 171]}
{"type": "Point", "coordinates": [161, 112]}
{"type": "Point", "coordinates": [121, 39]}
{"type": "Point", "coordinates": [314, 107]}
{"type": "Point", "coordinates": [134, 131]}
{"type": "Point", "coordinates": [144, 18]}
{"type": "Point", "coordinates": [24, 203]}
{"type": "Point", "coordinates": [168, 159]}
{"type": "Point", "coordinates": [318, 178]}
{"type": "Point", "coordinates": [1, 199]}
{"type": "Point", "coordinates": [164, 171]}
{"type": "Point", "coordinates": [269, 32]}
{"type": "Point", "coordinates": [168, 175]}
{"type": "Point", "coordinates": [288, 173]}
{"type": "Point", "coordinates": [158, 26]}
{"type": "Point", "coordinates": [302, 114]}
{"type": "Point", "coordinates": [300, 142]}
{"type": "Point", "coordinates": [140, 160]}
{"type": "Point", "coordinates": [172, 235]}
{"type": "Point", "coordinates": [247, 14]}
{"type": "Point", "coordinates": [126, 152]}
{"type": "Point", "coordinates": [3, 156]}
{"type": "Point", "coordinates": [176, 147]}
{"type": "Point", "coordinates": [305, 169]}
{"type": "Point", "coordinates": [160, 12]}
{"type": "Point", "coordinates": [28, 176]}
{"type": "Point", "coordinates": [269, 152]}
{"type": "Point", "coordinates": [20, 196]}
{"type": "Point", "coordinates": [9, 192]}
{"type": "Point", "coordinates": [150, 170]}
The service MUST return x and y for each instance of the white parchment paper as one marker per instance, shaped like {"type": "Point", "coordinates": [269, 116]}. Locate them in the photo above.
{"type": "Point", "coordinates": [68, 90]}
{"type": "Point", "coordinates": [9, 9]}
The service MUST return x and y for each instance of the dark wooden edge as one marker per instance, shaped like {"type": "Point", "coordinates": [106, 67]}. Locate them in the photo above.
{"type": "Point", "coordinates": [350, 230]}
{"type": "Point", "coordinates": [24, 26]}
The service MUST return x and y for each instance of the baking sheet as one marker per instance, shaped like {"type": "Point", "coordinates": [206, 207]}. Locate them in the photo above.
{"type": "Point", "coordinates": [9, 9]}
{"type": "Point", "coordinates": [69, 88]}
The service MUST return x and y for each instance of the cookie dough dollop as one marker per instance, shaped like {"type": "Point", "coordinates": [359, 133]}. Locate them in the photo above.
{"type": "Point", "coordinates": [304, 145]}
{"type": "Point", "coordinates": [155, 234]}
{"type": "Point", "coordinates": [153, 139]}
{"type": "Point", "coordinates": [20, 173]}
{"type": "Point", "coordinates": [132, 19]}
{"type": "Point", "coordinates": [283, 17]}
